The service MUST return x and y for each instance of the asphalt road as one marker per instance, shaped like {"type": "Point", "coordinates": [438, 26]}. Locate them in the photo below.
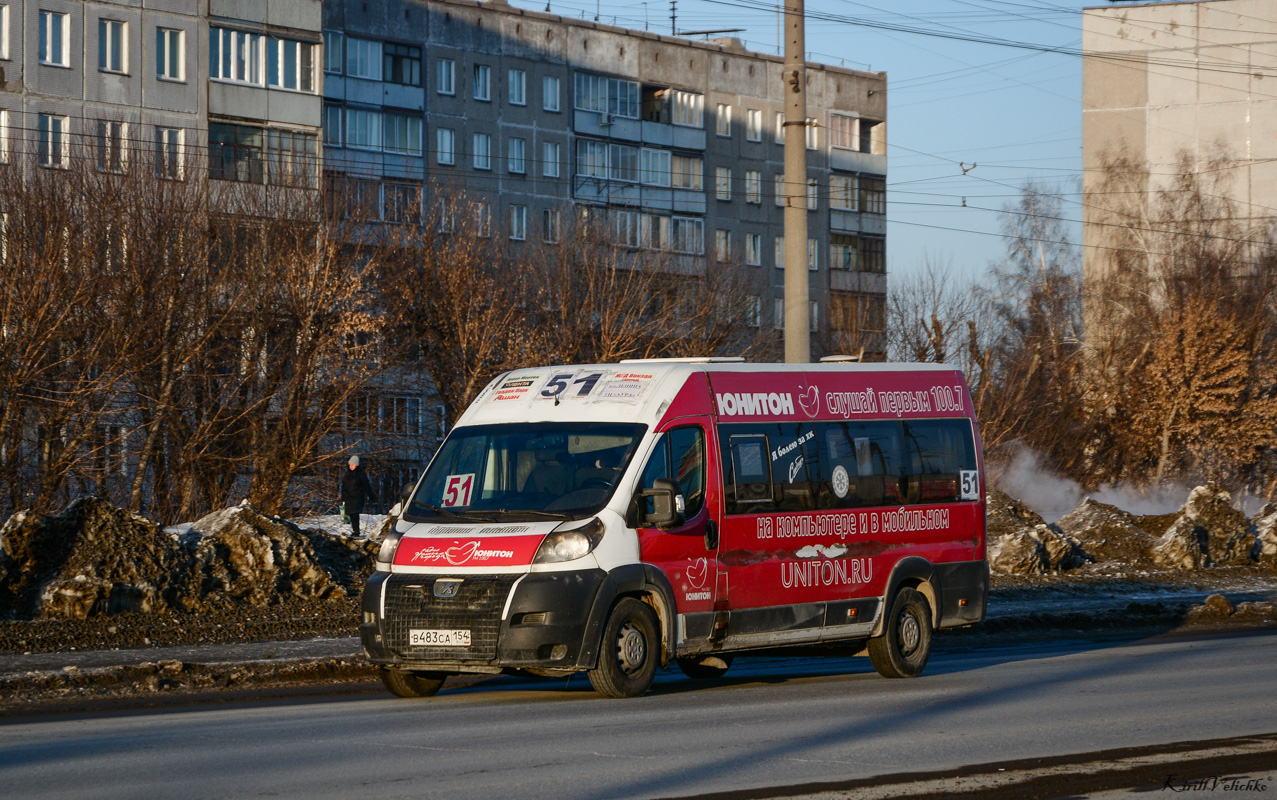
{"type": "Point", "coordinates": [770, 723]}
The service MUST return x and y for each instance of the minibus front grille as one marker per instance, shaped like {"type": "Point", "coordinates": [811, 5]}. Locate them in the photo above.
{"type": "Point", "coordinates": [474, 605]}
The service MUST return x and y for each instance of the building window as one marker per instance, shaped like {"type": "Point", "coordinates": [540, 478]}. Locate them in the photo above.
{"type": "Point", "coordinates": [51, 145]}
{"type": "Point", "coordinates": [235, 152]}
{"type": "Point", "coordinates": [168, 153]}
{"type": "Point", "coordinates": [55, 34]}
{"type": "Point", "coordinates": [753, 310]}
{"type": "Point", "coordinates": [614, 96]}
{"type": "Point", "coordinates": [401, 64]}
{"type": "Point", "coordinates": [813, 195]}
{"type": "Point", "coordinates": [754, 125]}
{"type": "Point", "coordinates": [482, 82]}
{"type": "Point", "coordinates": [333, 55]}
{"type": "Point", "coordinates": [518, 87]}
{"type": "Point", "coordinates": [865, 139]}
{"type": "Point", "coordinates": [686, 172]}
{"type": "Point", "coordinates": [234, 56]}
{"type": "Point", "coordinates": [550, 93]}
{"type": "Point", "coordinates": [688, 109]}
{"type": "Point", "coordinates": [482, 151]}
{"type": "Point", "coordinates": [722, 245]}
{"type": "Point", "coordinates": [113, 42]}
{"type": "Point", "coordinates": [332, 125]}
{"type": "Point", "coordinates": [363, 128]}
{"type": "Point", "coordinates": [4, 32]}
{"type": "Point", "coordinates": [518, 223]}
{"type": "Point", "coordinates": [780, 127]}
{"type": "Point", "coordinates": [483, 218]}
{"type": "Point", "coordinates": [170, 54]}
{"type": "Point", "coordinates": [290, 64]}
{"type": "Point", "coordinates": [723, 183]}
{"type": "Point", "coordinates": [873, 195]}
{"type": "Point", "coordinates": [446, 76]}
{"type": "Point", "coordinates": [843, 252]}
{"type": "Point", "coordinates": [516, 155]}
{"type": "Point", "coordinates": [110, 146]}
{"type": "Point", "coordinates": [873, 255]}
{"type": "Point", "coordinates": [654, 166]}
{"type": "Point", "coordinates": [4, 136]}
{"type": "Point", "coordinates": [842, 132]}
{"type": "Point", "coordinates": [403, 205]}
{"type": "Point", "coordinates": [291, 159]}
{"type": "Point", "coordinates": [445, 146]}
{"type": "Point", "coordinates": [402, 134]}
{"type": "Point", "coordinates": [780, 190]}
{"type": "Point", "coordinates": [654, 231]}
{"type": "Point", "coordinates": [813, 134]}
{"type": "Point", "coordinates": [688, 235]}
{"type": "Point", "coordinates": [778, 252]}
{"type": "Point", "coordinates": [813, 255]}
{"type": "Point", "coordinates": [550, 225]}
{"type": "Point", "coordinates": [363, 58]}
{"type": "Point", "coordinates": [754, 249]}
{"type": "Point", "coordinates": [753, 186]}
{"type": "Point", "coordinates": [842, 192]}
{"type": "Point", "coordinates": [723, 120]}
{"type": "Point", "coordinates": [550, 156]}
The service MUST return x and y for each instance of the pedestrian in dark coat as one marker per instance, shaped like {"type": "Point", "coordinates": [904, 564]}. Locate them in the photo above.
{"type": "Point", "coordinates": [355, 492]}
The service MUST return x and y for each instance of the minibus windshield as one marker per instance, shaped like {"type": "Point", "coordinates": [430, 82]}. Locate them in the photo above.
{"type": "Point", "coordinates": [525, 472]}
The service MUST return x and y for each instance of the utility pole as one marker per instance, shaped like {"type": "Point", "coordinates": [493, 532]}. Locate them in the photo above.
{"type": "Point", "coordinates": [797, 310]}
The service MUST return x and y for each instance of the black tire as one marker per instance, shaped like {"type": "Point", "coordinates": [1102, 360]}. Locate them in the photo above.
{"type": "Point", "coordinates": [905, 644]}
{"type": "Point", "coordinates": [705, 667]}
{"type": "Point", "coordinates": [629, 651]}
{"type": "Point", "coordinates": [411, 684]}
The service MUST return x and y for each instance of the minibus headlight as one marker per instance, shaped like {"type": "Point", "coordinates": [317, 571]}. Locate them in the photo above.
{"type": "Point", "coordinates": [388, 546]}
{"type": "Point", "coordinates": [569, 545]}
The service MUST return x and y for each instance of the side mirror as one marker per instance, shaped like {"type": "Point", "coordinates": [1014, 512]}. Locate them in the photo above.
{"type": "Point", "coordinates": [405, 494]}
{"type": "Point", "coordinates": [668, 505]}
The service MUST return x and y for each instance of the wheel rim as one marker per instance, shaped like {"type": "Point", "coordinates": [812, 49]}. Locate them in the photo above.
{"type": "Point", "coordinates": [631, 648]}
{"type": "Point", "coordinates": [910, 634]}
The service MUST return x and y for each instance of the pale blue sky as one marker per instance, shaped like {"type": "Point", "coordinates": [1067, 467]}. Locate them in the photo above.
{"type": "Point", "coordinates": [1015, 112]}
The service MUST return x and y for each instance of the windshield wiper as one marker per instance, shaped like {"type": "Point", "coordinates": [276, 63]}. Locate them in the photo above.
{"type": "Point", "coordinates": [542, 514]}
{"type": "Point", "coordinates": [443, 512]}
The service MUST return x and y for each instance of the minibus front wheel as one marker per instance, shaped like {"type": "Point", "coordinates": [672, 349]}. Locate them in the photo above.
{"type": "Point", "coordinates": [905, 644]}
{"type": "Point", "coordinates": [402, 683]}
{"type": "Point", "coordinates": [629, 651]}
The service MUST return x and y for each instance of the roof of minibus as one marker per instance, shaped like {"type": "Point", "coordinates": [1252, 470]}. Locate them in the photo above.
{"type": "Point", "coordinates": [637, 391]}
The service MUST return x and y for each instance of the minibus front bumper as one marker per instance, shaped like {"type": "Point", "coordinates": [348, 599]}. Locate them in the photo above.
{"type": "Point", "coordinates": [531, 620]}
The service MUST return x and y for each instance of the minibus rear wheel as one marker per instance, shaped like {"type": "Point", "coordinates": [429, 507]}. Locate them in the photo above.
{"type": "Point", "coordinates": [905, 644]}
{"type": "Point", "coordinates": [411, 684]}
{"type": "Point", "coordinates": [629, 651]}
{"type": "Point", "coordinates": [703, 668]}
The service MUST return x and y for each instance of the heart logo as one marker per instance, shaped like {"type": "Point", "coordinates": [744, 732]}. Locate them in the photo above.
{"type": "Point", "coordinates": [696, 573]}
{"type": "Point", "coordinates": [810, 401]}
{"type": "Point", "coordinates": [460, 554]}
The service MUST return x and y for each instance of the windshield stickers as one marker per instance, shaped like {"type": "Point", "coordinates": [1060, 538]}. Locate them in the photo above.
{"type": "Point", "coordinates": [457, 489]}
{"type": "Point", "coordinates": [515, 387]}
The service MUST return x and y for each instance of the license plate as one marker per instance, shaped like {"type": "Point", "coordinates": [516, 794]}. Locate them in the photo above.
{"type": "Point", "coordinates": [418, 637]}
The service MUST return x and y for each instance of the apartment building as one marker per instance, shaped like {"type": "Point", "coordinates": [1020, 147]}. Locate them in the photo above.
{"type": "Point", "coordinates": [676, 144]}
{"type": "Point", "coordinates": [1161, 80]}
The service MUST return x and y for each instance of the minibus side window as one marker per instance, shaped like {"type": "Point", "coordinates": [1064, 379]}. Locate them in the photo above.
{"type": "Point", "coordinates": [936, 450]}
{"type": "Point", "coordinates": [679, 454]}
{"type": "Point", "coordinates": [751, 473]}
{"type": "Point", "coordinates": [868, 454]}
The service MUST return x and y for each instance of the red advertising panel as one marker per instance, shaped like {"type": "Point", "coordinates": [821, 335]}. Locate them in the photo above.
{"type": "Point", "coordinates": [489, 551]}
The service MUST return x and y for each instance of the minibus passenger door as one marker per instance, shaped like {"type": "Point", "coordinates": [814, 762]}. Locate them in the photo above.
{"type": "Point", "coordinates": [687, 551]}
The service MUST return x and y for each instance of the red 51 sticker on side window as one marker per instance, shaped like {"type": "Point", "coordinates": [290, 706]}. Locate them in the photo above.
{"type": "Point", "coordinates": [456, 492]}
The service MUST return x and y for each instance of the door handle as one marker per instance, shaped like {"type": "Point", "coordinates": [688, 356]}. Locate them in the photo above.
{"type": "Point", "coordinates": [711, 535]}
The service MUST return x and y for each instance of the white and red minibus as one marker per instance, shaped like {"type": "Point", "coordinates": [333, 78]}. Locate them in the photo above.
{"type": "Point", "coordinates": [615, 518]}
